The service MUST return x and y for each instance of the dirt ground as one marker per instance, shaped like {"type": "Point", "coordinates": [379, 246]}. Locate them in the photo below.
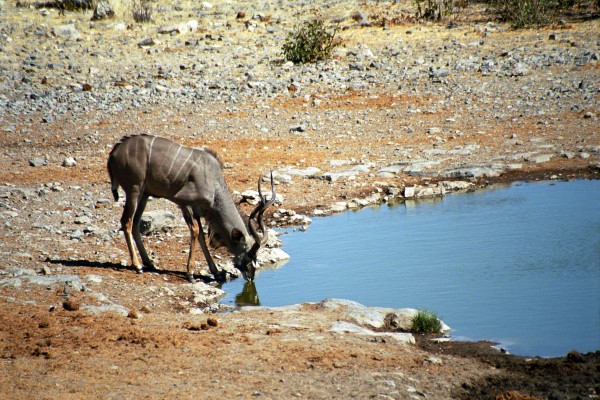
{"type": "Point", "coordinates": [51, 347]}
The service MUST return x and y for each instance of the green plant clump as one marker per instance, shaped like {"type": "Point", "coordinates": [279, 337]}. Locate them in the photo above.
{"type": "Point", "coordinates": [426, 322]}
{"type": "Point", "coordinates": [310, 43]}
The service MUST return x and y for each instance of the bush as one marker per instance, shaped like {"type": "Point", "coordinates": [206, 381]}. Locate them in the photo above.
{"type": "Point", "coordinates": [433, 9]}
{"type": "Point", "coordinates": [142, 11]}
{"type": "Point", "coordinates": [426, 322]}
{"type": "Point", "coordinates": [310, 43]}
{"type": "Point", "coordinates": [527, 13]}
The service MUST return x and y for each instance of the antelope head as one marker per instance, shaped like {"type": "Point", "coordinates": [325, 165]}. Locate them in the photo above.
{"type": "Point", "coordinates": [247, 262]}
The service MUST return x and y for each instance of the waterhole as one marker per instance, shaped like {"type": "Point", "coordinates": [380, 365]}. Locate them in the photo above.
{"type": "Point", "coordinates": [517, 264]}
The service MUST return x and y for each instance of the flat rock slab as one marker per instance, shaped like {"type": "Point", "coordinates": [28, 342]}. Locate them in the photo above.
{"type": "Point", "coordinates": [374, 317]}
{"type": "Point", "coordinates": [540, 158]}
{"type": "Point", "coordinates": [304, 172]}
{"type": "Point", "coordinates": [471, 172]}
{"type": "Point", "coordinates": [347, 327]}
{"type": "Point", "coordinates": [350, 173]}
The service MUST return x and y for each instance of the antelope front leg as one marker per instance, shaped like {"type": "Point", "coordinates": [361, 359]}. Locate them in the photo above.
{"type": "Point", "coordinates": [211, 264]}
{"type": "Point", "coordinates": [194, 232]}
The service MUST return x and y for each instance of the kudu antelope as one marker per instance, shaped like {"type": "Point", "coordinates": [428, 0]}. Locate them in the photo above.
{"type": "Point", "coordinates": [192, 178]}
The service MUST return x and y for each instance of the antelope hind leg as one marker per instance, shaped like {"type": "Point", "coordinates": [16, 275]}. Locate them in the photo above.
{"type": "Point", "coordinates": [194, 232]}
{"type": "Point", "coordinates": [127, 225]}
{"type": "Point", "coordinates": [137, 237]}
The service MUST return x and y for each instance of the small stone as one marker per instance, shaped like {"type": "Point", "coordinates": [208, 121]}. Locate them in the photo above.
{"type": "Point", "coordinates": [69, 162]}
{"type": "Point", "coordinates": [38, 162]}
{"type": "Point", "coordinates": [146, 310]}
{"type": "Point", "coordinates": [82, 220]}
{"type": "Point", "coordinates": [191, 326]}
{"type": "Point", "coordinates": [71, 305]}
{"type": "Point", "coordinates": [298, 128]}
{"type": "Point", "coordinates": [439, 73]}
{"type": "Point", "coordinates": [212, 321]}
{"type": "Point", "coordinates": [23, 254]}
{"type": "Point", "coordinates": [157, 221]}
{"type": "Point", "coordinates": [434, 130]}
{"type": "Point", "coordinates": [409, 192]}
{"type": "Point", "coordinates": [392, 191]}
{"type": "Point", "coordinates": [146, 42]}
{"type": "Point", "coordinates": [575, 356]}
{"type": "Point", "coordinates": [434, 360]}
{"type": "Point", "coordinates": [133, 314]}
{"type": "Point", "coordinates": [67, 32]}
{"type": "Point", "coordinates": [76, 234]}
{"type": "Point", "coordinates": [541, 158]}
{"type": "Point", "coordinates": [339, 206]}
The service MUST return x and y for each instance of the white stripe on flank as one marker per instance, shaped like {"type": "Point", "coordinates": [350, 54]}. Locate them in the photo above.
{"type": "Point", "coordinates": [150, 151]}
{"type": "Point", "coordinates": [183, 164]}
{"type": "Point", "coordinates": [174, 158]}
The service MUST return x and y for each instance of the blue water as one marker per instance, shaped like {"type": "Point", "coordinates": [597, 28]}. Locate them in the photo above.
{"type": "Point", "coordinates": [518, 265]}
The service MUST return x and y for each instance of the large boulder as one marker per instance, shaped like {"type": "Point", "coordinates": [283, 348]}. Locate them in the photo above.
{"type": "Point", "coordinates": [157, 221]}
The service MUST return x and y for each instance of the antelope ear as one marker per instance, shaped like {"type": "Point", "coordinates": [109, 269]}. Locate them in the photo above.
{"type": "Point", "coordinates": [237, 235]}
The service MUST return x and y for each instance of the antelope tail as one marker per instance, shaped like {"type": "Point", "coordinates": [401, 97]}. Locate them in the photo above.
{"type": "Point", "coordinates": [114, 186]}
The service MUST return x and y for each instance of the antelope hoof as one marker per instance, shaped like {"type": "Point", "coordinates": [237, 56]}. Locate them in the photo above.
{"type": "Point", "coordinates": [151, 267]}
{"type": "Point", "coordinates": [139, 270]}
{"type": "Point", "coordinates": [190, 277]}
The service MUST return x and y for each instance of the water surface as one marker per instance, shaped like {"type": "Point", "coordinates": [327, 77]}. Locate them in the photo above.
{"type": "Point", "coordinates": [519, 265]}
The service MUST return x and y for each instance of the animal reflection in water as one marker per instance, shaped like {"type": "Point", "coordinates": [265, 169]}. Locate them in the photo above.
{"type": "Point", "coordinates": [248, 296]}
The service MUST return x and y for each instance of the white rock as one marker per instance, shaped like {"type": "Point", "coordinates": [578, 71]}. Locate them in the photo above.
{"type": "Point", "coordinates": [409, 192]}
{"type": "Point", "coordinates": [339, 206]}
{"type": "Point", "coordinates": [192, 25]}
{"type": "Point", "coordinates": [69, 162]}
{"type": "Point", "coordinates": [67, 32]}
{"type": "Point", "coordinates": [456, 185]}
{"type": "Point", "coordinates": [541, 158]}
{"type": "Point", "coordinates": [272, 255]}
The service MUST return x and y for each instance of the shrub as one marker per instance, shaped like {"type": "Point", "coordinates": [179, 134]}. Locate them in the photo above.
{"type": "Point", "coordinates": [76, 5]}
{"type": "Point", "coordinates": [309, 43]}
{"type": "Point", "coordinates": [433, 9]}
{"type": "Point", "coordinates": [426, 322]}
{"type": "Point", "coordinates": [142, 11]}
{"type": "Point", "coordinates": [527, 13]}
{"type": "Point", "coordinates": [439, 9]}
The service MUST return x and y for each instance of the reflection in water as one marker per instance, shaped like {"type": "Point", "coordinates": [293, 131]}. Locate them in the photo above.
{"type": "Point", "coordinates": [248, 296]}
